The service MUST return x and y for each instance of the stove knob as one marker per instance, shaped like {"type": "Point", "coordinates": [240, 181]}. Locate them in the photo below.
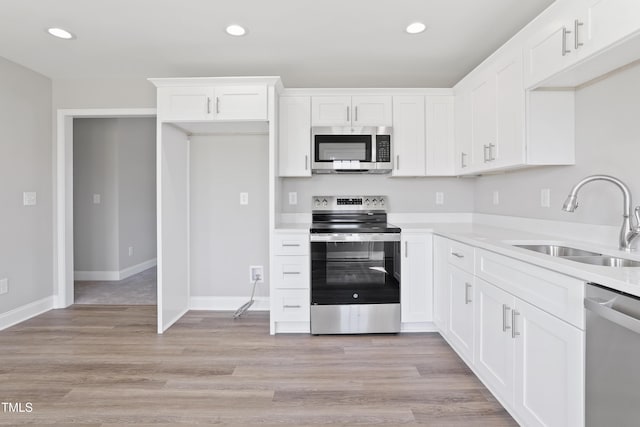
{"type": "Point", "coordinates": [381, 202]}
{"type": "Point", "coordinates": [367, 202]}
{"type": "Point", "coordinates": [324, 202]}
{"type": "Point", "coordinates": [375, 202]}
{"type": "Point", "coordinates": [316, 203]}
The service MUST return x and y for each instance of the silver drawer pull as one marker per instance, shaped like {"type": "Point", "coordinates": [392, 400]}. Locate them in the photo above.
{"type": "Point", "coordinates": [457, 255]}
{"type": "Point", "coordinates": [291, 272]}
{"type": "Point", "coordinates": [291, 306]}
{"type": "Point", "coordinates": [514, 333]}
{"type": "Point", "coordinates": [467, 300]}
{"type": "Point", "coordinates": [291, 245]}
{"type": "Point", "coordinates": [505, 308]}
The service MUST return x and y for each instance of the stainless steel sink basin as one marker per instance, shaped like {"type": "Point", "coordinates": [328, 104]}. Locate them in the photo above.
{"type": "Point", "coordinates": [608, 261]}
{"type": "Point", "coordinates": [557, 250]}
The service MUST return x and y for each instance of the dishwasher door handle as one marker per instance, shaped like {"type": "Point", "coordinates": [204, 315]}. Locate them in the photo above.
{"type": "Point", "coordinates": [612, 315]}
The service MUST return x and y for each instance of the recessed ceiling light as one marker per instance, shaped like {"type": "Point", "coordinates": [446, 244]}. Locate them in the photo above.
{"type": "Point", "coordinates": [236, 30]}
{"type": "Point", "coordinates": [60, 33]}
{"type": "Point", "coordinates": [416, 28]}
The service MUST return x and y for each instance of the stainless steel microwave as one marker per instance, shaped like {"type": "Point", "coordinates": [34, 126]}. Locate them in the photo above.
{"type": "Point", "coordinates": [351, 149]}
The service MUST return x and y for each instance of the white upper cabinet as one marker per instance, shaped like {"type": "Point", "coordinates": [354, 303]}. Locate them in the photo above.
{"type": "Point", "coordinates": [212, 103]}
{"type": "Point", "coordinates": [440, 138]}
{"type": "Point", "coordinates": [294, 136]}
{"type": "Point", "coordinates": [362, 110]}
{"type": "Point", "coordinates": [609, 21]}
{"type": "Point", "coordinates": [185, 103]}
{"type": "Point", "coordinates": [409, 136]}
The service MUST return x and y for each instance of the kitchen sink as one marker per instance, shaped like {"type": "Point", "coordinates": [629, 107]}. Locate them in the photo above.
{"type": "Point", "coordinates": [557, 250]}
{"type": "Point", "coordinates": [580, 255]}
{"type": "Point", "coordinates": [608, 261]}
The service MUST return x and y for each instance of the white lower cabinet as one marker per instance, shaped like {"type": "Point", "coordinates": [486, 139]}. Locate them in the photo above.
{"type": "Point", "coordinates": [416, 284]}
{"type": "Point", "coordinates": [290, 283]}
{"type": "Point", "coordinates": [531, 360]}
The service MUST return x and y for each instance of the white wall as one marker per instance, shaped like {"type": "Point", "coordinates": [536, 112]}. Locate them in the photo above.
{"type": "Point", "coordinates": [405, 195]}
{"type": "Point", "coordinates": [26, 232]}
{"type": "Point", "coordinates": [607, 142]}
{"type": "Point", "coordinates": [226, 237]}
{"type": "Point", "coordinates": [114, 158]}
{"type": "Point", "coordinates": [103, 93]}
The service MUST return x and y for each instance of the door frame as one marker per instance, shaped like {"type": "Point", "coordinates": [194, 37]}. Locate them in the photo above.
{"type": "Point", "coordinates": [63, 191]}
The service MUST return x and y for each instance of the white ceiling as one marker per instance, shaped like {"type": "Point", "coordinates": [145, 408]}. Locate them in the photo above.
{"type": "Point", "coordinates": [310, 43]}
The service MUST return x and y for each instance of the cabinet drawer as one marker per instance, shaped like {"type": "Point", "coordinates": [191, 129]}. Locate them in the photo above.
{"type": "Point", "coordinates": [290, 305]}
{"type": "Point", "coordinates": [552, 292]}
{"type": "Point", "coordinates": [291, 244]}
{"type": "Point", "coordinates": [460, 255]}
{"type": "Point", "coordinates": [291, 272]}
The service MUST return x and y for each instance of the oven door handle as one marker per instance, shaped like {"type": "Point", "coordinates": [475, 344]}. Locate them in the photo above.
{"type": "Point", "coordinates": [355, 237]}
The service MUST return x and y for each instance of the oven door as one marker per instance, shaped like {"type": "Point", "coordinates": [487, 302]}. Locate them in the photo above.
{"type": "Point", "coordinates": [355, 269]}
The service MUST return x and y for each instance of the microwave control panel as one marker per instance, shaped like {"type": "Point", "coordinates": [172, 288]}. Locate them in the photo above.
{"type": "Point", "coordinates": [383, 148]}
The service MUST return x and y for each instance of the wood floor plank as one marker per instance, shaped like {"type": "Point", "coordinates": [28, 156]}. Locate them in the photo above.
{"type": "Point", "coordinates": [106, 366]}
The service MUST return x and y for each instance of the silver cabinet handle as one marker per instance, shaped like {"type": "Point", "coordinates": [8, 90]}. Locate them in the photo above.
{"type": "Point", "coordinates": [347, 114]}
{"type": "Point", "coordinates": [355, 118]}
{"type": "Point", "coordinates": [576, 25]}
{"type": "Point", "coordinates": [217, 105]}
{"type": "Point", "coordinates": [398, 161]}
{"type": "Point", "coordinates": [457, 255]}
{"type": "Point", "coordinates": [406, 249]}
{"type": "Point", "coordinates": [208, 105]}
{"type": "Point", "coordinates": [505, 308]}
{"type": "Point", "coordinates": [291, 306]}
{"type": "Point", "coordinates": [514, 333]}
{"type": "Point", "coordinates": [291, 272]}
{"type": "Point", "coordinates": [288, 245]}
{"type": "Point", "coordinates": [485, 148]}
{"type": "Point", "coordinates": [467, 286]}
{"type": "Point", "coordinates": [564, 41]}
{"type": "Point", "coordinates": [462, 157]}
{"type": "Point", "coordinates": [492, 155]}
{"type": "Point", "coordinates": [306, 162]}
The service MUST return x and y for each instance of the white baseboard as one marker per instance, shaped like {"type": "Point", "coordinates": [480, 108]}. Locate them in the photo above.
{"type": "Point", "coordinates": [227, 303]}
{"type": "Point", "coordinates": [418, 327]}
{"type": "Point", "coordinates": [106, 276]}
{"type": "Point", "coordinates": [25, 312]}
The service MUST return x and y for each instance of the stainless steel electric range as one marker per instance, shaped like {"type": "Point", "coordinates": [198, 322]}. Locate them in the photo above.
{"type": "Point", "coordinates": [355, 266]}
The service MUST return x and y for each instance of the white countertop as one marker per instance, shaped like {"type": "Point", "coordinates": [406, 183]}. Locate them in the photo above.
{"type": "Point", "coordinates": [501, 240]}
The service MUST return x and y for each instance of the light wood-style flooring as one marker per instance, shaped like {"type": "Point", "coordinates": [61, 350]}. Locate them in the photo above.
{"type": "Point", "coordinates": [105, 365]}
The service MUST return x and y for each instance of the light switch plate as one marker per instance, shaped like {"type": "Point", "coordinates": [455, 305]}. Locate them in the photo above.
{"type": "Point", "coordinates": [293, 198]}
{"type": "Point", "coordinates": [244, 198]}
{"type": "Point", "coordinates": [496, 197]}
{"type": "Point", "coordinates": [439, 198]}
{"type": "Point", "coordinates": [545, 197]}
{"type": "Point", "coordinates": [29, 198]}
{"type": "Point", "coordinates": [4, 286]}
{"type": "Point", "coordinates": [97, 199]}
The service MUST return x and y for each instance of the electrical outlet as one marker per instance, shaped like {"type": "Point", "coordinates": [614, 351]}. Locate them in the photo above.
{"type": "Point", "coordinates": [4, 286]}
{"type": "Point", "coordinates": [293, 198]}
{"type": "Point", "coordinates": [29, 198]}
{"type": "Point", "coordinates": [496, 197]}
{"type": "Point", "coordinates": [130, 250]}
{"type": "Point", "coordinates": [244, 198]}
{"type": "Point", "coordinates": [439, 198]}
{"type": "Point", "coordinates": [97, 199]}
{"type": "Point", "coordinates": [545, 197]}
{"type": "Point", "coordinates": [256, 274]}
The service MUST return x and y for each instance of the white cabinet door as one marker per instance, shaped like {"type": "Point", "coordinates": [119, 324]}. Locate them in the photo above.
{"type": "Point", "coordinates": [510, 104]}
{"type": "Point", "coordinates": [461, 306]}
{"type": "Point", "coordinates": [440, 135]}
{"type": "Point", "coordinates": [494, 343]}
{"type": "Point", "coordinates": [416, 284]}
{"type": "Point", "coordinates": [483, 120]}
{"type": "Point", "coordinates": [371, 111]}
{"type": "Point", "coordinates": [609, 21]}
{"type": "Point", "coordinates": [440, 284]}
{"type": "Point", "coordinates": [549, 369]}
{"type": "Point", "coordinates": [409, 136]}
{"type": "Point", "coordinates": [241, 102]}
{"type": "Point", "coordinates": [294, 140]}
{"type": "Point", "coordinates": [331, 111]}
{"type": "Point", "coordinates": [185, 103]}
{"type": "Point", "coordinates": [463, 152]}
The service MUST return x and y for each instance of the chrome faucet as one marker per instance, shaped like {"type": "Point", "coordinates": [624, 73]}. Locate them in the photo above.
{"type": "Point", "coordinates": [628, 232]}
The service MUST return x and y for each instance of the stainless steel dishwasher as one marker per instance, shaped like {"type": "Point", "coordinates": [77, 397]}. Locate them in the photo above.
{"type": "Point", "coordinates": [612, 358]}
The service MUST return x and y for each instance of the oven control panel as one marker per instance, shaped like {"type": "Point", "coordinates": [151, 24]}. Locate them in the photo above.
{"type": "Point", "coordinates": [349, 203]}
